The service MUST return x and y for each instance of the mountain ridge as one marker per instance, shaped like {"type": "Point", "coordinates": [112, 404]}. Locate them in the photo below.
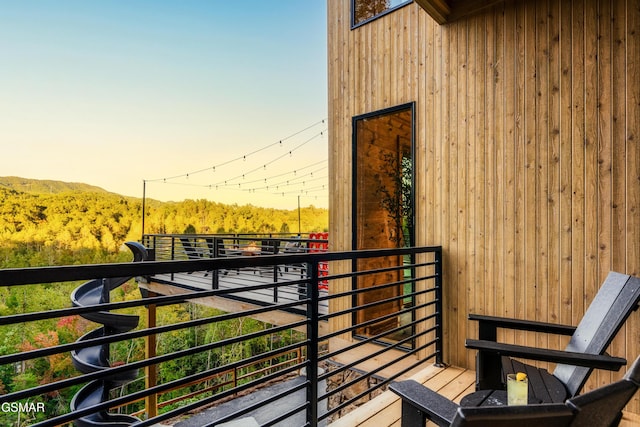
{"type": "Point", "coordinates": [47, 186]}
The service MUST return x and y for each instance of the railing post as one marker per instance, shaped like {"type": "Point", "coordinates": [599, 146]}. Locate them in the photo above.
{"type": "Point", "coordinates": [439, 308]}
{"type": "Point", "coordinates": [215, 274]}
{"type": "Point", "coordinates": [312, 344]}
{"type": "Point", "coordinates": [173, 253]}
{"type": "Point", "coordinates": [151, 377]}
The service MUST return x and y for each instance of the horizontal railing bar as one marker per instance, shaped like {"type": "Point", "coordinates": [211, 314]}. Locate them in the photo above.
{"type": "Point", "coordinates": [375, 337]}
{"type": "Point", "coordinates": [113, 371]}
{"type": "Point", "coordinates": [353, 310]}
{"type": "Point", "coordinates": [368, 289]}
{"type": "Point", "coordinates": [194, 377]}
{"type": "Point", "coordinates": [61, 419]}
{"type": "Point", "coordinates": [297, 351]}
{"type": "Point", "coordinates": [68, 273]}
{"type": "Point", "coordinates": [372, 321]}
{"type": "Point", "coordinates": [32, 354]}
{"type": "Point", "coordinates": [382, 350]}
{"type": "Point", "coordinates": [378, 368]}
{"type": "Point", "coordinates": [266, 401]}
{"type": "Point", "coordinates": [153, 390]}
{"type": "Point", "coordinates": [376, 303]}
{"type": "Point", "coordinates": [380, 270]}
{"type": "Point", "coordinates": [376, 386]}
{"type": "Point", "coordinates": [157, 300]}
{"type": "Point", "coordinates": [211, 399]}
{"type": "Point", "coordinates": [293, 236]}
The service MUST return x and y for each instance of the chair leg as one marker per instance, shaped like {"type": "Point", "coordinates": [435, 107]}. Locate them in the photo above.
{"type": "Point", "coordinates": [412, 416]}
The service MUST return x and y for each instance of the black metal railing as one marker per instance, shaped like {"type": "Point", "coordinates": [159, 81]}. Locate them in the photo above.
{"type": "Point", "coordinates": [170, 247]}
{"type": "Point", "coordinates": [395, 323]}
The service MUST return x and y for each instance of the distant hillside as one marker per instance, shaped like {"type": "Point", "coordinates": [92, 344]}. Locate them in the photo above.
{"type": "Point", "coordinates": [52, 217]}
{"type": "Point", "coordinates": [39, 186]}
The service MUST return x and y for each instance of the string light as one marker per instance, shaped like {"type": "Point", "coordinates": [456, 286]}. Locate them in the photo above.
{"type": "Point", "coordinates": [275, 183]}
{"type": "Point", "coordinates": [242, 157]}
{"type": "Point", "coordinates": [272, 161]}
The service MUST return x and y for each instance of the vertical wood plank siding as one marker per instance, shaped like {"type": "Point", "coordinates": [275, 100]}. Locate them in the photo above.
{"type": "Point", "coordinates": [528, 165]}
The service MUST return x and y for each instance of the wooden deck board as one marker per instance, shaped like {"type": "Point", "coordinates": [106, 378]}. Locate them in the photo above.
{"type": "Point", "coordinates": [452, 382]}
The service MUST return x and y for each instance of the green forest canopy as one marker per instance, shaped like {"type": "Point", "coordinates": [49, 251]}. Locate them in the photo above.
{"type": "Point", "coordinates": [70, 223]}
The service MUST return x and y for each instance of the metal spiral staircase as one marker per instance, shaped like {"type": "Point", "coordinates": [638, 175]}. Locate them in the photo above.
{"type": "Point", "coordinates": [96, 358]}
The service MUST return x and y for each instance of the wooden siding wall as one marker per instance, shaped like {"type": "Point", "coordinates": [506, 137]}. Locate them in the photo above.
{"type": "Point", "coordinates": [528, 156]}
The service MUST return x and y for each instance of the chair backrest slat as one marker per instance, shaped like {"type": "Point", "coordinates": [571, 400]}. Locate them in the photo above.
{"type": "Point", "coordinates": [611, 307]}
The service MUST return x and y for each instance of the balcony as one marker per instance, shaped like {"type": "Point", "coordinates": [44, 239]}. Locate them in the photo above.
{"type": "Point", "coordinates": [332, 368]}
{"type": "Point", "coordinates": [319, 337]}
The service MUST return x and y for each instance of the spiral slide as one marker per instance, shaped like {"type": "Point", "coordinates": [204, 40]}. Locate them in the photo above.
{"type": "Point", "coordinates": [92, 359]}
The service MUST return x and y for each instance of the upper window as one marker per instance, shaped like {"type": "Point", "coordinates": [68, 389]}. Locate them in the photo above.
{"type": "Point", "coordinates": [366, 10]}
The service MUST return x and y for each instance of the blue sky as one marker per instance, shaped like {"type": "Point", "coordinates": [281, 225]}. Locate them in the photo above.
{"type": "Point", "coordinates": [115, 92]}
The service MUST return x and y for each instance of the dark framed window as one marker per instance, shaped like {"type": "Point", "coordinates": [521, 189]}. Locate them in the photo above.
{"type": "Point", "coordinates": [383, 213]}
{"type": "Point", "coordinates": [363, 11]}
{"type": "Point", "coordinates": [383, 178]}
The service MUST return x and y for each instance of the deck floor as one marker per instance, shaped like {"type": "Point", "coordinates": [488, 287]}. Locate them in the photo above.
{"type": "Point", "coordinates": [243, 278]}
{"type": "Point", "coordinates": [452, 382]}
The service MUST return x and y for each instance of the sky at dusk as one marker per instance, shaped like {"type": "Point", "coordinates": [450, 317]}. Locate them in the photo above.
{"type": "Point", "coordinates": [223, 100]}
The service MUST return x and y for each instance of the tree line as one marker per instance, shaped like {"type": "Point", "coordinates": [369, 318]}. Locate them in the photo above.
{"type": "Point", "coordinates": [74, 227]}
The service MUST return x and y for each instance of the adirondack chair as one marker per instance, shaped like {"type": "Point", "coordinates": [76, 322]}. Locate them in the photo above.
{"type": "Point", "coordinates": [270, 247]}
{"type": "Point", "coordinates": [617, 298]}
{"type": "Point", "coordinates": [190, 248]}
{"type": "Point", "coordinates": [192, 251]}
{"type": "Point", "coordinates": [217, 249]}
{"type": "Point", "coordinates": [601, 407]}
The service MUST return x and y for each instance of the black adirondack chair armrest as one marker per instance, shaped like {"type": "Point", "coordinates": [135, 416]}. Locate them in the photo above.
{"type": "Point", "coordinates": [524, 325]}
{"type": "Point", "coordinates": [438, 408]}
{"type": "Point", "coordinates": [595, 361]}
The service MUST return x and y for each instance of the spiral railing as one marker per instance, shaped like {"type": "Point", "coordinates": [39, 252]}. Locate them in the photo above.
{"type": "Point", "coordinates": [96, 358]}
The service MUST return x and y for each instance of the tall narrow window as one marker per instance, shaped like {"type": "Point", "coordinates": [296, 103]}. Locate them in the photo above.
{"type": "Point", "coordinates": [383, 209]}
{"type": "Point", "coordinates": [366, 10]}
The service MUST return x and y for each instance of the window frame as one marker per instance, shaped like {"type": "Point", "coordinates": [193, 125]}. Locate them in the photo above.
{"type": "Point", "coordinates": [411, 106]}
{"type": "Point", "coordinates": [355, 25]}
{"type": "Point", "coordinates": [354, 167]}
